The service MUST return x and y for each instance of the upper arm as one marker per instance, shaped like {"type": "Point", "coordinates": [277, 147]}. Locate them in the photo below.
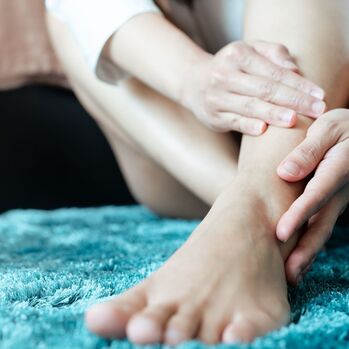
{"type": "Point", "coordinates": [93, 22]}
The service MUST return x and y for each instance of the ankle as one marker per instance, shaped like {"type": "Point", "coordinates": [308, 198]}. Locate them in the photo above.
{"type": "Point", "coordinates": [270, 198]}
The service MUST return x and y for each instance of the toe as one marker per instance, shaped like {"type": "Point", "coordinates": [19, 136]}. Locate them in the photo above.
{"type": "Point", "coordinates": [211, 327]}
{"type": "Point", "coordinates": [147, 327]}
{"type": "Point", "coordinates": [182, 326]}
{"type": "Point", "coordinates": [238, 332]}
{"type": "Point", "coordinates": [243, 329]}
{"type": "Point", "coordinates": [109, 319]}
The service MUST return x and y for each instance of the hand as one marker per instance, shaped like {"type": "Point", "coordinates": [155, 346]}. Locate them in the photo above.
{"type": "Point", "coordinates": [243, 88]}
{"type": "Point", "coordinates": [326, 148]}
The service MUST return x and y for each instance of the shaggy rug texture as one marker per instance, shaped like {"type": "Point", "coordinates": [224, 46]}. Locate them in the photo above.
{"type": "Point", "coordinates": [55, 264]}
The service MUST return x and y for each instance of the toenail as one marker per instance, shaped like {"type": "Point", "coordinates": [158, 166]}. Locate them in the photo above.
{"type": "Point", "coordinates": [142, 329]}
{"type": "Point", "coordinates": [229, 337]}
{"type": "Point", "coordinates": [173, 336]}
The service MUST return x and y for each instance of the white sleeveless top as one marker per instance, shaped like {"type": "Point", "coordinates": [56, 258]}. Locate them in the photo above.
{"type": "Point", "coordinates": [211, 23]}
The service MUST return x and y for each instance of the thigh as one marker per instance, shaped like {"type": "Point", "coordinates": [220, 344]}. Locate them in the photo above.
{"type": "Point", "coordinates": [200, 160]}
{"type": "Point", "coordinates": [150, 184]}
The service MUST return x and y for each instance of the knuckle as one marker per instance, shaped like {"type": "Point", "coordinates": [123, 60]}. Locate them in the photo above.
{"type": "Point", "coordinates": [318, 129]}
{"type": "Point", "coordinates": [245, 60]}
{"type": "Point", "coordinates": [281, 49]}
{"type": "Point", "coordinates": [215, 124]}
{"type": "Point", "coordinates": [301, 86]}
{"type": "Point", "coordinates": [250, 106]}
{"type": "Point", "coordinates": [237, 46]}
{"type": "Point", "coordinates": [239, 52]}
{"type": "Point", "coordinates": [332, 125]}
{"type": "Point", "coordinates": [216, 78]}
{"type": "Point", "coordinates": [233, 50]}
{"type": "Point", "coordinates": [297, 100]}
{"type": "Point", "coordinates": [326, 127]}
{"type": "Point", "coordinates": [235, 123]}
{"type": "Point", "coordinates": [308, 153]}
{"type": "Point", "coordinates": [278, 74]}
{"type": "Point", "coordinates": [268, 90]}
{"type": "Point", "coordinates": [273, 114]}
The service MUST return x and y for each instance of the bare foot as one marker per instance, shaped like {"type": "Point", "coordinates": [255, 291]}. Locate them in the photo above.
{"type": "Point", "coordinates": [226, 283]}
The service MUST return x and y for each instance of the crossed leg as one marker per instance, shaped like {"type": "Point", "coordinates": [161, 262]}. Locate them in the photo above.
{"type": "Point", "coordinates": [231, 268]}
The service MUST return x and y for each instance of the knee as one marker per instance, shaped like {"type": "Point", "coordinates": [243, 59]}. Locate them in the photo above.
{"type": "Point", "coordinates": [163, 203]}
{"type": "Point", "coordinates": [154, 203]}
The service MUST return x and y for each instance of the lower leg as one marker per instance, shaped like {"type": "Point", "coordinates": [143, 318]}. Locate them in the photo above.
{"type": "Point", "coordinates": [310, 37]}
{"type": "Point", "coordinates": [321, 59]}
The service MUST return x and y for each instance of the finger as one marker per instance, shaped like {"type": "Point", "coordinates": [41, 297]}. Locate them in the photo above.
{"type": "Point", "coordinates": [320, 138]}
{"type": "Point", "coordinates": [319, 190]}
{"type": "Point", "coordinates": [255, 108]}
{"type": "Point", "coordinates": [307, 155]}
{"type": "Point", "coordinates": [275, 93]}
{"type": "Point", "coordinates": [235, 122]}
{"type": "Point", "coordinates": [261, 66]}
{"type": "Point", "coordinates": [311, 243]}
{"type": "Point", "coordinates": [276, 53]}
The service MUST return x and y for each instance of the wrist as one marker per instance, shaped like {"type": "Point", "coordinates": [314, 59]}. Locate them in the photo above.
{"type": "Point", "coordinates": [193, 80]}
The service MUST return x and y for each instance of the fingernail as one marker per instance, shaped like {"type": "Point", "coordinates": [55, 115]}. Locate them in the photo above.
{"type": "Point", "coordinates": [259, 127]}
{"type": "Point", "coordinates": [289, 65]}
{"type": "Point", "coordinates": [291, 168]}
{"type": "Point", "coordinates": [287, 115]}
{"type": "Point", "coordinates": [318, 107]}
{"type": "Point", "coordinates": [318, 93]}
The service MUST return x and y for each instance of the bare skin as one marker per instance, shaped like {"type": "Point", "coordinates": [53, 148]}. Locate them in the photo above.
{"type": "Point", "coordinates": [233, 286]}
{"type": "Point", "coordinates": [239, 299]}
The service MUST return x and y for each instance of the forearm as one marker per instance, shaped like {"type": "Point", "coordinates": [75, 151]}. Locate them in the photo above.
{"type": "Point", "coordinates": [311, 33]}
{"type": "Point", "coordinates": [156, 52]}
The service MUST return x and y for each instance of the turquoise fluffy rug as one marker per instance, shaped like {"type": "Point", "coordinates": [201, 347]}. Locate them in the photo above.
{"type": "Point", "coordinates": [55, 264]}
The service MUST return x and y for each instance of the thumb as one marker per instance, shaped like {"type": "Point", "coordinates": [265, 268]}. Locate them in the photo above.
{"type": "Point", "coordinates": [307, 155]}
